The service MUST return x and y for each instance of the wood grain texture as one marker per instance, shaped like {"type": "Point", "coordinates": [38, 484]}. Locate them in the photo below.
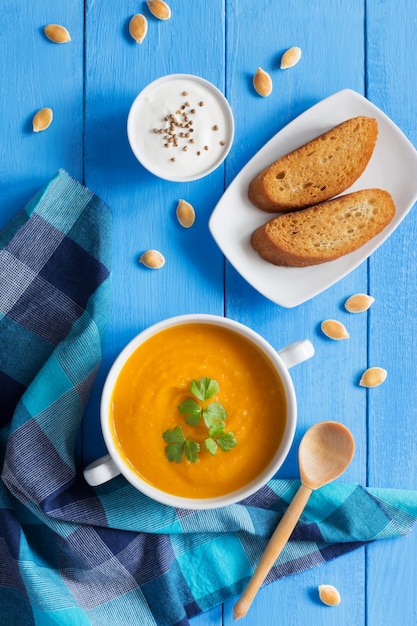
{"type": "Point", "coordinates": [332, 58]}
{"type": "Point", "coordinates": [392, 410]}
{"type": "Point", "coordinates": [144, 206]}
{"type": "Point", "coordinates": [37, 73]}
{"type": "Point", "coordinates": [90, 83]}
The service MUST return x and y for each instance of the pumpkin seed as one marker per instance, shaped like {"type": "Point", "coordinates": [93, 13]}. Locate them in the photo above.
{"type": "Point", "coordinates": [185, 213]}
{"type": "Point", "coordinates": [262, 82]}
{"type": "Point", "coordinates": [373, 377]}
{"type": "Point", "coordinates": [42, 119]}
{"type": "Point", "coordinates": [329, 595]}
{"type": "Point", "coordinates": [358, 303]}
{"type": "Point", "coordinates": [159, 9]}
{"type": "Point", "coordinates": [57, 33]}
{"type": "Point", "coordinates": [334, 329]}
{"type": "Point", "coordinates": [152, 259]}
{"type": "Point", "coordinates": [290, 57]}
{"type": "Point", "coordinates": [138, 27]}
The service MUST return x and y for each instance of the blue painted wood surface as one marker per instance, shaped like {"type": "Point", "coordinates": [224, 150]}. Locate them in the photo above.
{"type": "Point", "coordinates": [365, 45]}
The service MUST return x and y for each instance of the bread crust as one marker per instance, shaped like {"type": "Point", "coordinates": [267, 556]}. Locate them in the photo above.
{"type": "Point", "coordinates": [318, 170]}
{"type": "Point", "coordinates": [325, 231]}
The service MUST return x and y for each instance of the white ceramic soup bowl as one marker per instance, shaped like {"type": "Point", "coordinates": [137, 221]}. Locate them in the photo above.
{"type": "Point", "coordinates": [113, 464]}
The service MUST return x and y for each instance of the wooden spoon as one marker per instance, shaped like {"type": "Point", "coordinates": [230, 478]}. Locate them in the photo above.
{"type": "Point", "coordinates": [325, 451]}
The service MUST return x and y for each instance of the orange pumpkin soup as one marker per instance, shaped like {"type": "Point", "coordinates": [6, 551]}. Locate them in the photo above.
{"type": "Point", "coordinates": [156, 379]}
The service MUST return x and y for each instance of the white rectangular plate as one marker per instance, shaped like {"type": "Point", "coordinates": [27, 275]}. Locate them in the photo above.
{"type": "Point", "coordinates": [393, 167]}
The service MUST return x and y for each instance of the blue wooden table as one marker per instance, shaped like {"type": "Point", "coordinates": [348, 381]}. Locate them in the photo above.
{"type": "Point", "coordinates": [365, 45]}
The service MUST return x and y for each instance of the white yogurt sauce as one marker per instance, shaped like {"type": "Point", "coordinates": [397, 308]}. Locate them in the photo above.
{"type": "Point", "coordinates": [180, 128]}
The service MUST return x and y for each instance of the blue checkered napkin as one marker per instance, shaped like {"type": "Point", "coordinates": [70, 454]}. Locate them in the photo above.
{"type": "Point", "coordinates": [109, 556]}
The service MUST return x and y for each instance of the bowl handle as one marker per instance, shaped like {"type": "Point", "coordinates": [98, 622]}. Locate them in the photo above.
{"type": "Point", "coordinates": [296, 352]}
{"type": "Point", "coordinates": [101, 470]}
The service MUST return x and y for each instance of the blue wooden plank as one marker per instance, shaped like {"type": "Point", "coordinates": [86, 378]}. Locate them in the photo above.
{"type": "Point", "coordinates": [295, 600]}
{"type": "Point", "coordinates": [38, 73]}
{"type": "Point", "coordinates": [144, 206]}
{"type": "Point", "coordinates": [337, 30]}
{"type": "Point", "coordinates": [393, 271]}
{"type": "Point", "coordinates": [392, 85]}
{"type": "Point", "coordinates": [225, 42]}
{"type": "Point", "coordinates": [333, 47]}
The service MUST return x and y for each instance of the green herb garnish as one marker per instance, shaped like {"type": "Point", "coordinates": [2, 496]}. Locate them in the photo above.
{"type": "Point", "coordinates": [178, 444]}
{"type": "Point", "coordinates": [214, 417]}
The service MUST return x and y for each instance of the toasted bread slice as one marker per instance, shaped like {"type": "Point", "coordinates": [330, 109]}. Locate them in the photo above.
{"type": "Point", "coordinates": [318, 170]}
{"type": "Point", "coordinates": [325, 231]}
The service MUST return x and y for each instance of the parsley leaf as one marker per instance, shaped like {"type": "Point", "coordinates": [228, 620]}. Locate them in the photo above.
{"type": "Point", "coordinates": [205, 388]}
{"type": "Point", "coordinates": [174, 452]}
{"type": "Point", "coordinates": [217, 430]}
{"type": "Point", "coordinates": [227, 441]}
{"type": "Point", "coordinates": [178, 444]}
{"type": "Point", "coordinates": [214, 417]}
{"type": "Point", "coordinates": [211, 446]}
{"type": "Point", "coordinates": [214, 414]}
{"type": "Point", "coordinates": [192, 410]}
{"type": "Point", "coordinates": [192, 448]}
{"type": "Point", "coordinates": [174, 436]}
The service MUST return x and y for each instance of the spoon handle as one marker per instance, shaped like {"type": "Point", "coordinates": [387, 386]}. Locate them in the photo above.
{"type": "Point", "coordinates": [275, 545]}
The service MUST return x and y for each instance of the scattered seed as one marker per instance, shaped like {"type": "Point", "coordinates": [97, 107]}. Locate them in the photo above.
{"type": "Point", "coordinates": [358, 303]}
{"type": "Point", "coordinates": [138, 27]}
{"type": "Point", "coordinates": [152, 259]}
{"type": "Point", "coordinates": [262, 82]}
{"type": "Point", "coordinates": [42, 119]}
{"type": "Point", "coordinates": [201, 104]}
{"type": "Point", "coordinates": [178, 127]}
{"type": "Point", "coordinates": [329, 595]}
{"type": "Point", "coordinates": [185, 213]}
{"type": "Point", "coordinates": [159, 9]}
{"type": "Point", "coordinates": [334, 329]}
{"type": "Point", "coordinates": [57, 33]}
{"type": "Point", "coordinates": [290, 57]}
{"type": "Point", "coordinates": [373, 376]}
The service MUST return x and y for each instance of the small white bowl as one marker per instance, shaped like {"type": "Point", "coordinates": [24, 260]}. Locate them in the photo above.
{"type": "Point", "coordinates": [194, 141]}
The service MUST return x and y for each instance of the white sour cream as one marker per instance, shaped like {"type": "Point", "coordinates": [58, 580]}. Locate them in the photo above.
{"type": "Point", "coordinates": [180, 127]}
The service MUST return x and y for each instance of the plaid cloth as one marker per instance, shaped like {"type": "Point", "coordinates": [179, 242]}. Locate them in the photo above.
{"type": "Point", "coordinates": [71, 554]}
